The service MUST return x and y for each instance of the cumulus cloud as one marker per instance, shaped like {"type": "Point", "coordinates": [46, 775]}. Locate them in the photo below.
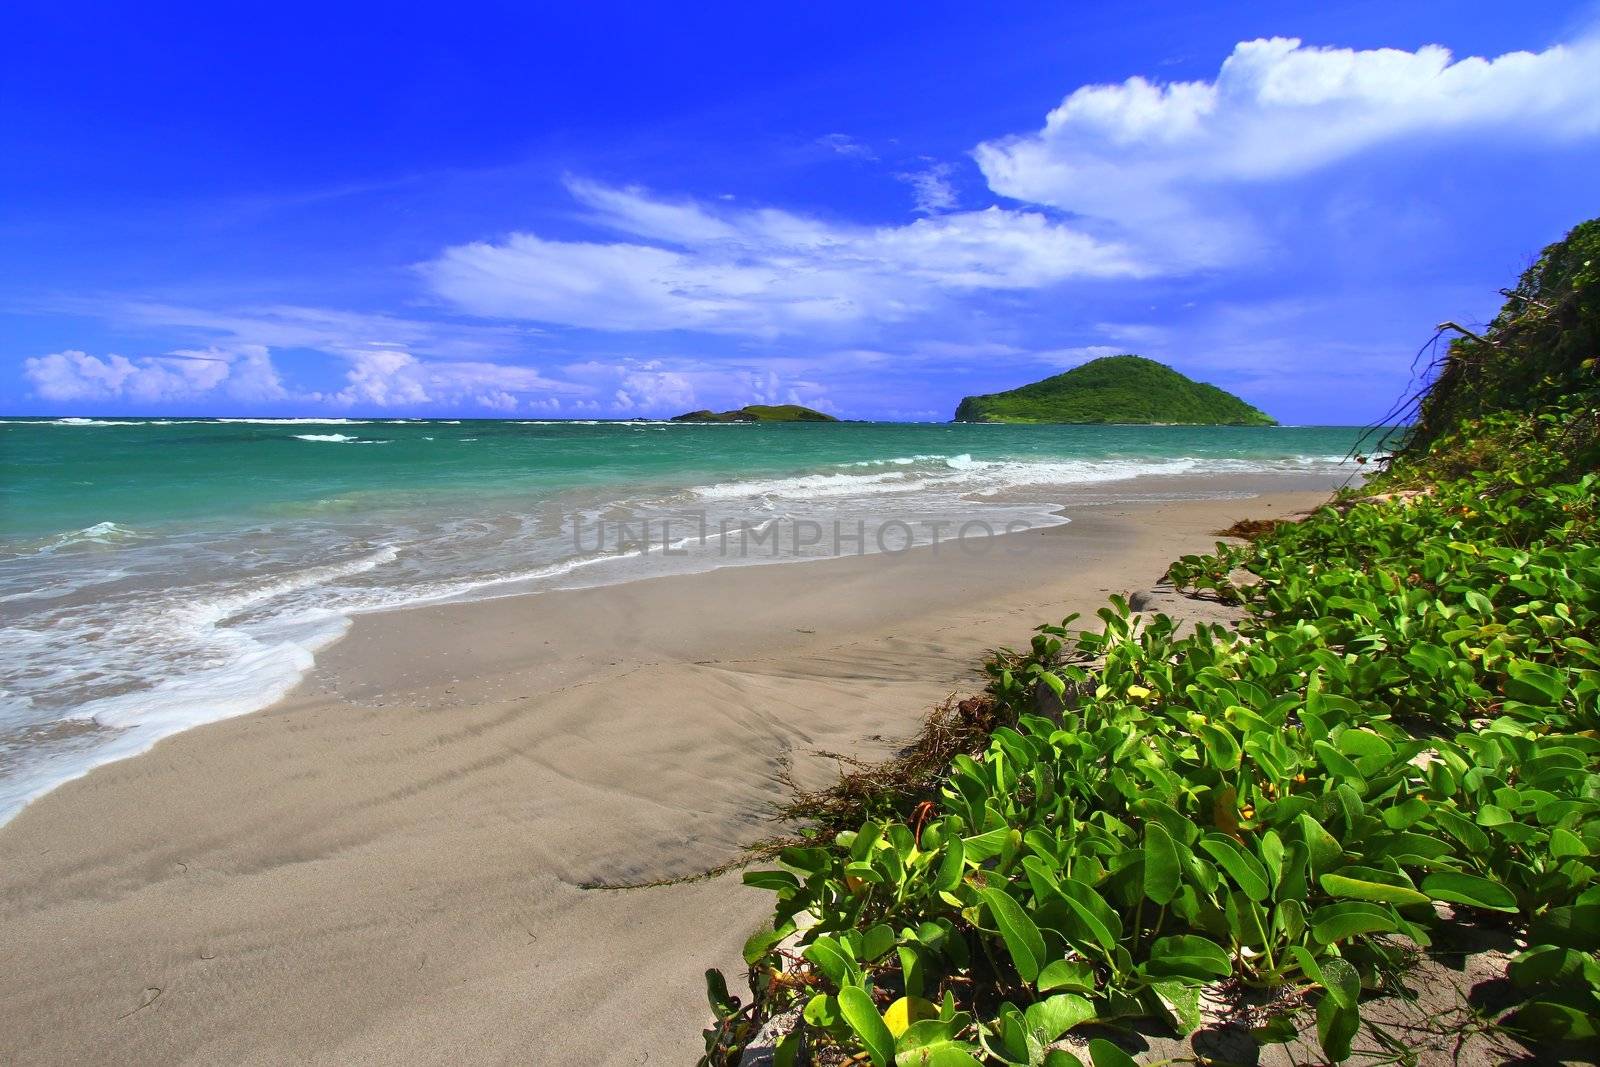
{"type": "Point", "coordinates": [673, 384]}
{"type": "Point", "coordinates": [388, 361]}
{"type": "Point", "coordinates": [761, 272]}
{"type": "Point", "coordinates": [654, 391]}
{"type": "Point", "coordinates": [1153, 157]}
{"type": "Point", "coordinates": [376, 377]}
{"type": "Point", "coordinates": [245, 374]}
{"type": "Point", "coordinates": [391, 377]}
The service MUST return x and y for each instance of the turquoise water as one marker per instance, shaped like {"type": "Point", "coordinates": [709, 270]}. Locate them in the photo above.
{"type": "Point", "coordinates": [157, 573]}
{"type": "Point", "coordinates": [57, 476]}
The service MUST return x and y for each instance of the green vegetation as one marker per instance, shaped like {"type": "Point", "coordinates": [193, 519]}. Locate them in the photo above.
{"type": "Point", "coordinates": [1115, 389]}
{"type": "Point", "coordinates": [1527, 384]}
{"type": "Point", "coordinates": [1399, 740]}
{"type": "Point", "coordinates": [758, 413]}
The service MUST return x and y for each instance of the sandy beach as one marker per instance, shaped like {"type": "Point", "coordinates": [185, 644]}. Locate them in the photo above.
{"type": "Point", "coordinates": [403, 861]}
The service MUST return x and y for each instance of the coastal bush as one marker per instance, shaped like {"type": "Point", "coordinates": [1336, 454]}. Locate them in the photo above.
{"type": "Point", "coordinates": [1527, 384]}
{"type": "Point", "coordinates": [1406, 719]}
{"type": "Point", "coordinates": [1401, 737]}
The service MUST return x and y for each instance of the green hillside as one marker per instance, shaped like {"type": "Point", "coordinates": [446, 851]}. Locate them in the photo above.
{"type": "Point", "coordinates": [758, 413]}
{"type": "Point", "coordinates": [1115, 389]}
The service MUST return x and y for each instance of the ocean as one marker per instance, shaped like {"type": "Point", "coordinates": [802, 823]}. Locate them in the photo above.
{"type": "Point", "coordinates": [156, 574]}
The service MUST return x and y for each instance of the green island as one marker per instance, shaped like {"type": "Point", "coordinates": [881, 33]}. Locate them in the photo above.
{"type": "Point", "coordinates": [1395, 752]}
{"type": "Point", "coordinates": [758, 413]}
{"type": "Point", "coordinates": [1115, 389]}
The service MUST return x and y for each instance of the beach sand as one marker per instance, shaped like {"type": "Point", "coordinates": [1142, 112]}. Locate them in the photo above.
{"type": "Point", "coordinates": [397, 863]}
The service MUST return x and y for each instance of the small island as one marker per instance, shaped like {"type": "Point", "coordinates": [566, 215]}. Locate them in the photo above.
{"type": "Point", "coordinates": [758, 413]}
{"type": "Point", "coordinates": [1115, 389]}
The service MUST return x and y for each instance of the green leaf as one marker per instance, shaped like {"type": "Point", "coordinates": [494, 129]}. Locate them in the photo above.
{"type": "Point", "coordinates": [1104, 1054]}
{"type": "Point", "coordinates": [952, 864]}
{"type": "Point", "coordinates": [1576, 926]}
{"type": "Point", "coordinates": [722, 1004]}
{"type": "Point", "coordinates": [937, 1054]}
{"type": "Point", "coordinates": [1188, 956]}
{"type": "Point", "coordinates": [1245, 870]}
{"type": "Point", "coordinates": [1092, 913]}
{"type": "Point", "coordinates": [912, 970]}
{"type": "Point", "coordinates": [1074, 975]}
{"type": "Point", "coordinates": [822, 1011]}
{"type": "Point", "coordinates": [1469, 889]}
{"type": "Point", "coordinates": [1564, 844]}
{"type": "Point", "coordinates": [1054, 1016]}
{"type": "Point", "coordinates": [828, 958]}
{"type": "Point", "coordinates": [1326, 852]}
{"type": "Point", "coordinates": [1338, 885]}
{"type": "Point", "coordinates": [1336, 1027]}
{"type": "Point", "coordinates": [1180, 1002]}
{"type": "Point", "coordinates": [865, 841]}
{"type": "Point", "coordinates": [1341, 981]}
{"type": "Point", "coordinates": [855, 1004]}
{"type": "Point", "coordinates": [1493, 815]}
{"type": "Point", "coordinates": [876, 941]}
{"type": "Point", "coordinates": [1162, 873]}
{"type": "Point", "coordinates": [787, 1054]}
{"type": "Point", "coordinates": [1247, 920]}
{"type": "Point", "coordinates": [1548, 965]}
{"type": "Point", "coordinates": [763, 942]}
{"type": "Point", "coordinates": [1559, 1019]}
{"type": "Point", "coordinates": [1332, 923]}
{"type": "Point", "coordinates": [1535, 683]}
{"type": "Point", "coordinates": [1220, 744]}
{"type": "Point", "coordinates": [983, 846]}
{"type": "Point", "coordinates": [1364, 745]}
{"type": "Point", "coordinates": [775, 881]}
{"type": "Point", "coordinates": [1019, 932]}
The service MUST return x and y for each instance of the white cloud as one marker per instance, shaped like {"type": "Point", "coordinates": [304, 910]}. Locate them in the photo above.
{"type": "Point", "coordinates": [1161, 159]}
{"type": "Point", "coordinates": [245, 373]}
{"type": "Point", "coordinates": [389, 362]}
{"type": "Point", "coordinates": [845, 145]}
{"type": "Point", "coordinates": [395, 378]}
{"type": "Point", "coordinates": [378, 377]}
{"type": "Point", "coordinates": [931, 191]}
{"type": "Point", "coordinates": [652, 390]}
{"type": "Point", "coordinates": [761, 272]}
{"type": "Point", "coordinates": [322, 329]}
{"type": "Point", "coordinates": [673, 384]}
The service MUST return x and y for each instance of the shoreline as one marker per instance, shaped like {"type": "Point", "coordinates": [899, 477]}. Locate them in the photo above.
{"type": "Point", "coordinates": [387, 863]}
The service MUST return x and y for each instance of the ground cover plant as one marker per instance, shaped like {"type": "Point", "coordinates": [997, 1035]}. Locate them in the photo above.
{"type": "Point", "coordinates": [1401, 736]}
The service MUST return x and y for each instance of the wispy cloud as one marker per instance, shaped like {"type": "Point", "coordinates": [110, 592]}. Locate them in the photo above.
{"type": "Point", "coordinates": [761, 272]}
{"type": "Point", "coordinates": [322, 329]}
{"type": "Point", "coordinates": [845, 145]}
{"type": "Point", "coordinates": [931, 191]}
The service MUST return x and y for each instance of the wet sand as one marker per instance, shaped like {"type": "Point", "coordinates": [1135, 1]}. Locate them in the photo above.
{"type": "Point", "coordinates": [399, 863]}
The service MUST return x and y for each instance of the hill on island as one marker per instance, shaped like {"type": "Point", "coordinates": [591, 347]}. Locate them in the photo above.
{"type": "Point", "coordinates": [1115, 389]}
{"type": "Point", "coordinates": [757, 413]}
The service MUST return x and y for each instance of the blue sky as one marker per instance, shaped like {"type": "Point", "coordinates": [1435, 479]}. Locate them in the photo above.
{"type": "Point", "coordinates": [616, 210]}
